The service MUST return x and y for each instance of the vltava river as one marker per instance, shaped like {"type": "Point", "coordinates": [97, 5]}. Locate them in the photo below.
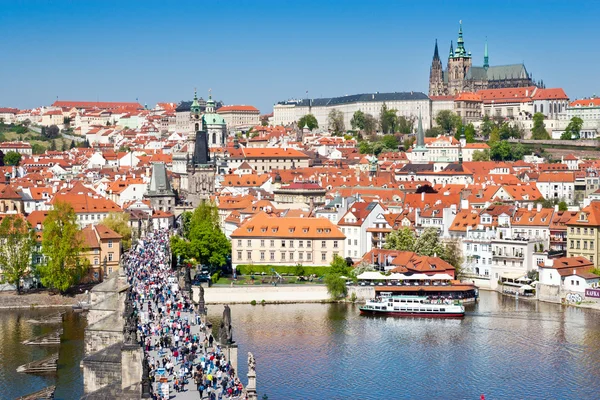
{"type": "Point", "coordinates": [503, 348]}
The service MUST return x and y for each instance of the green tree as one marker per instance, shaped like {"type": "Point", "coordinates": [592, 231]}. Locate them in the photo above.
{"type": "Point", "coordinates": [52, 145]}
{"type": "Point", "coordinates": [12, 158]}
{"type": "Point", "coordinates": [405, 125]}
{"type": "Point", "coordinates": [434, 132]}
{"type": "Point", "coordinates": [336, 122]}
{"type": "Point", "coordinates": [402, 239]}
{"type": "Point", "coordinates": [447, 120]}
{"type": "Point", "coordinates": [37, 148]}
{"type": "Point", "coordinates": [429, 244]}
{"type": "Point", "coordinates": [119, 222]}
{"type": "Point", "coordinates": [486, 126]}
{"type": "Point", "coordinates": [335, 278]}
{"type": "Point", "coordinates": [510, 131]}
{"type": "Point", "coordinates": [390, 142]}
{"type": "Point", "coordinates": [369, 124]}
{"type": "Point", "coordinates": [481, 155]}
{"type": "Point", "coordinates": [539, 132]}
{"type": "Point", "coordinates": [453, 255]}
{"type": "Point", "coordinates": [204, 241]}
{"type": "Point", "coordinates": [358, 120]}
{"type": "Point", "coordinates": [308, 120]}
{"type": "Point", "coordinates": [72, 146]}
{"type": "Point", "coordinates": [62, 245]}
{"type": "Point", "coordinates": [365, 147]}
{"type": "Point", "coordinates": [388, 120]}
{"type": "Point", "coordinates": [562, 206]}
{"type": "Point", "coordinates": [572, 131]}
{"type": "Point", "coordinates": [17, 243]}
{"type": "Point", "coordinates": [64, 146]}
{"type": "Point", "coordinates": [500, 151]}
{"type": "Point", "coordinates": [494, 136]}
{"type": "Point", "coordinates": [470, 133]}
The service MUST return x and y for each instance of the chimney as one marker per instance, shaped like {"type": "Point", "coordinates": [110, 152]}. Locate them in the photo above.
{"type": "Point", "coordinates": [556, 208]}
{"type": "Point", "coordinates": [422, 196]}
{"type": "Point", "coordinates": [529, 206]}
{"type": "Point", "coordinates": [539, 207]}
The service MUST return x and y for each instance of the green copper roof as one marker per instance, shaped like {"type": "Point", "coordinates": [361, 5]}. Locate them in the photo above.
{"type": "Point", "coordinates": [486, 60]}
{"type": "Point", "coordinates": [212, 119]}
{"type": "Point", "coordinates": [420, 135]}
{"type": "Point", "coordinates": [460, 44]}
{"type": "Point", "coordinates": [195, 107]}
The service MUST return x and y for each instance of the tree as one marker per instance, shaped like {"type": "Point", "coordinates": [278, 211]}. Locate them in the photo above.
{"type": "Point", "coordinates": [390, 142]}
{"type": "Point", "coordinates": [500, 151]}
{"type": "Point", "coordinates": [308, 120]}
{"type": "Point", "coordinates": [62, 245]}
{"type": "Point", "coordinates": [336, 121]}
{"type": "Point", "coordinates": [51, 132]}
{"type": "Point", "coordinates": [481, 155]}
{"type": "Point", "coordinates": [369, 124]}
{"type": "Point", "coordinates": [539, 132]}
{"type": "Point", "coordinates": [572, 130]}
{"type": "Point", "coordinates": [336, 276]}
{"type": "Point", "coordinates": [494, 135]}
{"type": "Point", "coordinates": [52, 145]}
{"type": "Point", "coordinates": [428, 243]}
{"type": "Point", "coordinates": [365, 147]}
{"type": "Point", "coordinates": [12, 158]}
{"type": "Point", "coordinates": [37, 148]}
{"type": "Point", "coordinates": [562, 206]}
{"type": "Point", "coordinates": [402, 239]}
{"type": "Point", "coordinates": [447, 120]}
{"type": "Point", "coordinates": [434, 132]}
{"type": "Point", "coordinates": [405, 125]}
{"type": "Point", "coordinates": [470, 133]}
{"type": "Point", "coordinates": [486, 126]}
{"type": "Point", "coordinates": [119, 222]}
{"type": "Point", "coordinates": [72, 146]}
{"type": "Point", "coordinates": [453, 255]}
{"type": "Point", "coordinates": [64, 146]}
{"type": "Point", "coordinates": [203, 240]}
{"type": "Point", "coordinates": [18, 242]}
{"type": "Point", "coordinates": [358, 120]}
{"type": "Point", "coordinates": [510, 131]}
{"type": "Point", "coordinates": [388, 120]}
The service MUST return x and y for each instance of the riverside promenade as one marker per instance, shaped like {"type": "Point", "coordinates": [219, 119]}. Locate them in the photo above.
{"type": "Point", "coordinates": [182, 359]}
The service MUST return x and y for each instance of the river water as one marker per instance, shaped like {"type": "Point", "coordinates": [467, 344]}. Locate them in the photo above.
{"type": "Point", "coordinates": [504, 348]}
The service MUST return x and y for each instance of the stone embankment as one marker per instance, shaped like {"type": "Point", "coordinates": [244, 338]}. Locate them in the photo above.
{"type": "Point", "coordinates": [276, 294]}
{"type": "Point", "coordinates": [38, 300]}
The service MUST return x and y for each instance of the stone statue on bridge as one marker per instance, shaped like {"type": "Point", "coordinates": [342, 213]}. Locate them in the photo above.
{"type": "Point", "coordinates": [225, 331]}
{"type": "Point", "coordinates": [251, 363]}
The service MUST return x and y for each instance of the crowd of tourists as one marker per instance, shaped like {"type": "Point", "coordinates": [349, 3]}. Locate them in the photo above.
{"type": "Point", "coordinates": [182, 354]}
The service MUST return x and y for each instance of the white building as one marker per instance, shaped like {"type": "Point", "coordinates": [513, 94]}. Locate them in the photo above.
{"type": "Point", "coordinates": [407, 104]}
{"type": "Point", "coordinates": [354, 224]}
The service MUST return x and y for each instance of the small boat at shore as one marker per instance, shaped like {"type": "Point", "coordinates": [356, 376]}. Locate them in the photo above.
{"type": "Point", "coordinates": [413, 306]}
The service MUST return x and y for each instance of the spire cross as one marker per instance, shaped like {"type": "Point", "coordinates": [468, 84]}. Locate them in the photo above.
{"type": "Point", "coordinates": [209, 92]}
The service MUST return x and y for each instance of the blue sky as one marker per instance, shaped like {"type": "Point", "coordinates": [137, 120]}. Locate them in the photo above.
{"type": "Point", "coordinates": [260, 52]}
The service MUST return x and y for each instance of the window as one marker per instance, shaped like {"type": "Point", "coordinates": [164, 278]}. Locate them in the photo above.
{"type": "Point", "coordinates": [283, 256]}
{"type": "Point", "coordinates": [356, 242]}
{"type": "Point", "coordinates": [249, 255]}
{"type": "Point", "coordinates": [591, 245]}
{"type": "Point", "coordinates": [262, 243]}
{"type": "Point", "coordinates": [96, 261]}
{"type": "Point", "coordinates": [272, 243]}
{"type": "Point", "coordinates": [349, 242]}
{"type": "Point", "coordinates": [323, 244]}
{"type": "Point", "coordinates": [308, 243]}
{"type": "Point", "coordinates": [301, 243]}
{"type": "Point", "coordinates": [283, 243]}
{"type": "Point", "coordinates": [579, 244]}
{"type": "Point", "coordinates": [239, 254]}
{"type": "Point", "coordinates": [335, 244]}
{"type": "Point", "coordinates": [291, 256]}
{"type": "Point", "coordinates": [572, 244]}
{"type": "Point", "coordinates": [272, 256]}
{"type": "Point", "coordinates": [110, 256]}
{"type": "Point", "coordinates": [309, 256]}
{"type": "Point", "coordinates": [323, 256]}
{"type": "Point", "coordinates": [291, 243]}
{"type": "Point", "coordinates": [262, 255]}
{"type": "Point", "coordinates": [249, 242]}
{"type": "Point", "coordinates": [239, 242]}
{"type": "Point", "coordinates": [110, 244]}
{"type": "Point", "coordinates": [301, 256]}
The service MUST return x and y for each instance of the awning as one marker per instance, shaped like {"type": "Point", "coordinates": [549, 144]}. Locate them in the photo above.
{"type": "Point", "coordinates": [371, 275]}
{"type": "Point", "coordinates": [526, 287]}
{"type": "Point", "coordinates": [512, 275]}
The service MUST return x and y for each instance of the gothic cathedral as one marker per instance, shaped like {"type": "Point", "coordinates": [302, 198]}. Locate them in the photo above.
{"type": "Point", "coordinates": [461, 76]}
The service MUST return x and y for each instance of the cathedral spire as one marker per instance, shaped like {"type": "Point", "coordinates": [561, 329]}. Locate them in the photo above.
{"type": "Point", "coordinates": [460, 43]}
{"type": "Point", "coordinates": [486, 60]}
{"type": "Point", "coordinates": [451, 49]}
{"type": "Point", "coordinates": [436, 54]}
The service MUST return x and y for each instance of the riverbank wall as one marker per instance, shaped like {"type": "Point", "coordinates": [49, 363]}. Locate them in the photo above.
{"type": "Point", "coordinates": [13, 300]}
{"type": "Point", "coordinates": [276, 294]}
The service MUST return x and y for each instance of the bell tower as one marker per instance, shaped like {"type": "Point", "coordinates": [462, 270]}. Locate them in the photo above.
{"type": "Point", "coordinates": [459, 63]}
{"type": "Point", "coordinates": [436, 74]}
{"type": "Point", "coordinates": [195, 113]}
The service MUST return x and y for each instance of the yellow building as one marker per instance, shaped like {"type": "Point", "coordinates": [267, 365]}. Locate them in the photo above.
{"type": "Point", "coordinates": [103, 250]}
{"type": "Point", "coordinates": [583, 233]}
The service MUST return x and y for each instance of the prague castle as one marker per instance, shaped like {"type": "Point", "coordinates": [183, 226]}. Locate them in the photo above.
{"type": "Point", "coordinates": [461, 76]}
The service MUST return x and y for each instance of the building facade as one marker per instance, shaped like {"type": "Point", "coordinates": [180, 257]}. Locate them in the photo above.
{"type": "Point", "coordinates": [461, 76]}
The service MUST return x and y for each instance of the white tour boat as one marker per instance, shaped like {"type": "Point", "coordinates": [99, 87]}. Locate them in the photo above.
{"type": "Point", "coordinates": [413, 306]}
